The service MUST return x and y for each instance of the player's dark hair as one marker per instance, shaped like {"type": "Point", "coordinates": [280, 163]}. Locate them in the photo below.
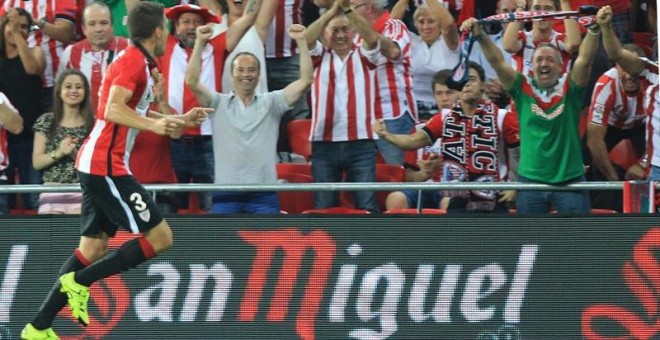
{"type": "Point", "coordinates": [144, 19]}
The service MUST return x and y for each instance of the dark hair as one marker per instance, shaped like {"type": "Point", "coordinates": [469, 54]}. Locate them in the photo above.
{"type": "Point", "coordinates": [58, 105]}
{"type": "Point", "coordinates": [441, 78]}
{"type": "Point", "coordinates": [100, 4]}
{"type": "Point", "coordinates": [479, 69]}
{"type": "Point", "coordinates": [144, 19]}
{"type": "Point", "coordinates": [242, 54]}
{"type": "Point", "coordinates": [3, 23]}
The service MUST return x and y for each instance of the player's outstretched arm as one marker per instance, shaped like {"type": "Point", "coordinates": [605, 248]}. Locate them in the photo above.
{"type": "Point", "coordinates": [119, 112]}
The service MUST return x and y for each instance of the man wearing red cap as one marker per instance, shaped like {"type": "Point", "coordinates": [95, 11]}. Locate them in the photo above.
{"type": "Point", "coordinates": [192, 154]}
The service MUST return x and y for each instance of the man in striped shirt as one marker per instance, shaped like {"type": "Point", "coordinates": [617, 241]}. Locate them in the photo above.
{"type": "Point", "coordinates": [99, 48]}
{"type": "Point", "coordinates": [522, 44]}
{"type": "Point", "coordinates": [616, 113]}
{"type": "Point", "coordinates": [389, 45]}
{"type": "Point", "coordinates": [637, 67]}
{"type": "Point", "coordinates": [342, 111]}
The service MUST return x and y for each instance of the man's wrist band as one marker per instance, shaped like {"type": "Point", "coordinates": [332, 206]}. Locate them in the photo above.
{"type": "Point", "coordinates": [346, 11]}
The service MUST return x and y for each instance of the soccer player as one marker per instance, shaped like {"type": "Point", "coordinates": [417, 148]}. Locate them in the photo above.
{"type": "Point", "coordinates": [111, 196]}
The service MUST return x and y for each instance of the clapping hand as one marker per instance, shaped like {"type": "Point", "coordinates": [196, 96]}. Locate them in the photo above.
{"type": "Point", "coordinates": [68, 146]}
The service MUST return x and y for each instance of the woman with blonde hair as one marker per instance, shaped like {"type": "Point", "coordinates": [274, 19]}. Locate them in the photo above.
{"type": "Point", "coordinates": [435, 48]}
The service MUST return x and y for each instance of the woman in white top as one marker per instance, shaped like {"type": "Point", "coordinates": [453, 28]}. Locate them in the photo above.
{"type": "Point", "coordinates": [435, 48]}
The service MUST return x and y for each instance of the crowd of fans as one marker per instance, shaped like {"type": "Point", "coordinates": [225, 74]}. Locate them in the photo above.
{"type": "Point", "coordinates": [545, 102]}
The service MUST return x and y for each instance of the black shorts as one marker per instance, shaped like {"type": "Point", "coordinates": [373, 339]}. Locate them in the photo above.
{"type": "Point", "coordinates": [116, 202]}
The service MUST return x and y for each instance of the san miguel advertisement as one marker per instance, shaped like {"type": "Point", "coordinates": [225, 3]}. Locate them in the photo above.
{"type": "Point", "coordinates": [355, 277]}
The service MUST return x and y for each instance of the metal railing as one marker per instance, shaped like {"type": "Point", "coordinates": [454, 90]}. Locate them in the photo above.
{"type": "Point", "coordinates": [388, 186]}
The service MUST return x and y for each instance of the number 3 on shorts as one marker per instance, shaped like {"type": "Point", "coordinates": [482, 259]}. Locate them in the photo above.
{"type": "Point", "coordinates": [139, 204]}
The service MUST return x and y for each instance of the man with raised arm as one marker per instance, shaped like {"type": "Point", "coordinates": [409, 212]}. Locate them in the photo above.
{"type": "Point", "coordinates": [245, 124]}
{"type": "Point", "coordinates": [394, 99]}
{"type": "Point", "coordinates": [342, 110]}
{"type": "Point", "coordinates": [548, 105]}
{"type": "Point", "coordinates": [192, 154]}
{"type": "Point", "coordinates": [642, 67]}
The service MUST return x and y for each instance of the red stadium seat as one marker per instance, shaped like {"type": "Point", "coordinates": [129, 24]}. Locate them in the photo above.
{"type": "Point", "coordinates": [294, 168]}
{"type": "Point", "coordinates": [645, 41]}
{"type": "Point", "coordinates": [623, 154]}
{"type": "Point", "coordinates": [295, 202]}
{"type": "Point", "coordinates": [337, 210]}
{"type": "Point", "coordinates": [298, 132]}
{"type": "Point", "coordinates": [425, 211]}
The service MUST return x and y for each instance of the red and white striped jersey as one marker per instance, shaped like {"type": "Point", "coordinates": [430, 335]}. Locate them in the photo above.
{"type": "Point", "coordinates": [174, 63]}
{"type": "Point", "coordinates": [652, 106]}
{"type": "Point", "coordinates": [93, 64]}
{"type": "Point", "coordinates": [107, 149]}
{"type": "Point", "coordinates": [522, 61]}
{"type": "Point", "coordinates": [611, 105]}
{"type": "Point", "coordinates": [393, 78]}
{"type": "Point", "coordinates": [51, 10]}
{"type": "Point", "coordinates": [474, 148]}
{"type": "Point", "coordinates": [342, 96]}
{"type": "Point", "coordinates": [278, 43]}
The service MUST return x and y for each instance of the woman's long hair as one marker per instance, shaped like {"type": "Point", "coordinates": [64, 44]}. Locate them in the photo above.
{"type": "Point", "coordinates": [58, 105]}
{"type": "Point", "coordinates": [4, 21]}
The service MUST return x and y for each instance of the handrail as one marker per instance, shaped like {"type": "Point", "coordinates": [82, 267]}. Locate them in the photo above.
{"type": "Point", "coordinates": [371, 186]}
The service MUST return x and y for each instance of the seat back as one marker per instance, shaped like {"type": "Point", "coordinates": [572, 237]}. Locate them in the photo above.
{"type": "Point", "coordinates": [298, 132]}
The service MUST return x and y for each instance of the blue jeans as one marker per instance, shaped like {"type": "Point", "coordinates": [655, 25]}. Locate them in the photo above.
{"type": "Point", "coordinates": [391, 154]}
{"type": "Point", "coordinates": [655, 173]}
{"type": "Point", "coordinates": [192, 160]}
{"type": "Point", "coordinates": [564, 202]}
{"type": "Point", "coordinates": [332, 159]}
{"type": "Point", "coordinates": [246, 203]}
{"type": "Point", "coordinates": [20, 159]}
{"type": "Point", "coordinates": [430, 198]}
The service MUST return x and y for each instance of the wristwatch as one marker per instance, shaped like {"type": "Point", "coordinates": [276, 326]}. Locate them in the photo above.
{"type": "Point", "coordinates": [41, 23]}
{"type": "Point", "coordinates": [643, 163]}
